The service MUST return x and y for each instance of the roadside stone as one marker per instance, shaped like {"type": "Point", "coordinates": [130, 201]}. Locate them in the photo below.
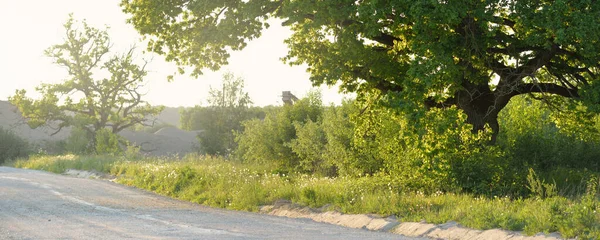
{"type": "Point", "coordinates": [414, 229]}
{"type": "Point", "coordinates": [453, 230]}
{"type": "Point", "coordinates": [87, 174]}
{"type": "Point", "coordinates": [347, 220]}
{"type": "Point", "coordinates": [449, 230]}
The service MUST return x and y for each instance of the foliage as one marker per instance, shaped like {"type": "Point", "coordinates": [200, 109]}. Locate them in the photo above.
{"type": "Point", "coordinates": [78, 142]}
{"type": "Point", "coordinates": [308, 146]}
{"type": "Point", "coordinates": [107, 143]}
{"type": "Point", "coordinates": [436, 153]}
{"type": "Point", "coordinates": [475, 55]}
{"type": "Point", "coordinates": [271, 139]}
{"type": "Point", "coordinates": [12, 146]}
{"type": "Point", "coordinates": [82, 101]}
{"type": "Point", "coordinates": [539, 188]}
{"type": "Point", "coordinates": [230, 95]}
{"type": "Point", "coordinates": [339, 134]}
{"type": "Point", "coordinates": [229, 106]}
{"type": "Point", "coordinates": [562, 150]}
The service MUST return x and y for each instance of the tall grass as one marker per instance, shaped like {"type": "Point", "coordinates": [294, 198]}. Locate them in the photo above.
{"type": "Point", "coordinates": [59, 164]}
{"type": "Point", "coordinates": [219, 183]}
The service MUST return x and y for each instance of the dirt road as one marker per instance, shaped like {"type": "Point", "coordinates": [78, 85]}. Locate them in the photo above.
{"type": "Point", "coordinates": [39, 205]}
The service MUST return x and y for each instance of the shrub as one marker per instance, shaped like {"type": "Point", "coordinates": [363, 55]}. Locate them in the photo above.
{"type": "Point", "coordinates": [308, 145]}
{"type": "Point", "coordinates": [270, 139]}
{"type": "Point", "coordinates": [561, 150]}
{"type": "Point", "coordinates": [437, 152]}
{"type": "Point", "coordinates": [339, 134]}
{"type": "Point", "coordinates": [228, 108]}
{"type": "Point", "coordinates": [12, 146]}
{"type": "Point", "coordinates": [430, 151]}
{"type": "Point", "coordinates": [107, 142]}
{"type": "Point", "coordinates": [78, 142]}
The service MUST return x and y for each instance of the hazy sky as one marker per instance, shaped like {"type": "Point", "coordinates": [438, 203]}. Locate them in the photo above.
{"type": "Point", "coordinates": [29, 27]}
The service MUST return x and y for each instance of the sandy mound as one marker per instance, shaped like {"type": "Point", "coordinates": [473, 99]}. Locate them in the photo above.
{"type": "Point", "coordinates": [168, 141]}
{"type": "Point", "coordinates": [11, 119]}
{"type": "Point", "coordinates": [165, 142]}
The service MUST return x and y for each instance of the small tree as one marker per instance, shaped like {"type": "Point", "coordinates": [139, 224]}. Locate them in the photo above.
{"type": "Point", "coordinates": [81, 100]}
{"type": "Point", "coordinates": [228, 107]}
{"type": "Point", "coordinates": [12, 146]}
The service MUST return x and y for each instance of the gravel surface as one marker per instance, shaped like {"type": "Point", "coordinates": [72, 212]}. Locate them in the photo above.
{"type": "Point", "coordinates": [39, 205]}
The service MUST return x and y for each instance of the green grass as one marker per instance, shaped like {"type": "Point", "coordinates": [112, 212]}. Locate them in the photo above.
{"type": "Point", "coordinates": [59, 164]}
{"type": "Point", "coordinates": [219, 183]}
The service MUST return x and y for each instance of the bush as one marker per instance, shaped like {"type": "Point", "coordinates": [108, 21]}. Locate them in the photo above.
{"type": "Point", "coordinates": [270, 139]}
{"type": "Point", "coordinates": [339, 134]}
{"type": "Point", "coordinates": [78, 142]}
{"type": "Point", "coordinates": [429, 151]}
{"type": "Point", "coordinates": [107, 143]}
{"type": "Point", "coordinates": [12, 146]}
{"type": "Point", "coordinates": [308, 145]}
{"type": "Point", "coordinates": [435, 152]}
{"type": "Point", "coordinates": [228, 108]}
{"type": "Point", "coordinates": [562, 147]}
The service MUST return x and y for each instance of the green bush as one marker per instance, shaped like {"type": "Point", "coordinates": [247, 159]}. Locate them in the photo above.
{"type": "Point", "coordinates": [270, 139]}
{"type": "Point", "coordinates": [308, 146]}
{"type": "Point", "coordinates": [78, 142]}
{"type": "Point", "coordinates": [61, 163]}
{"type": "Point", "coordinates": [107, 143]}
{"type": "Point", "coordinates": [429, 151]}
{"type": "Point", "coordinates": [561, 146]}
{"type": "Point", "coordinates": [229, 106]}
{"type": "Point", "coordinates": [436, 152]}
{"type": "Point", "coordinates": [12, 146]}
{"type": "Point", "coordinates": [216, 136]}
{"type": "Point", "coordinates": [339, 134]}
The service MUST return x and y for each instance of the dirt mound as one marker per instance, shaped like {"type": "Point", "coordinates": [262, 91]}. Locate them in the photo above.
{"type": "Point", "coordinates": [168, 141]}
{"type": "Point", "coordinates": [11, 119]}
{"type": "Point", "coordinates": [165, 142]}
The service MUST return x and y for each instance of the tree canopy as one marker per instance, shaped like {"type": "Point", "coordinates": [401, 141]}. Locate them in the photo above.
{"type": "Point", "coordinates": [475, 55]}
{"type": "Point", "coordinates": [86, 99]}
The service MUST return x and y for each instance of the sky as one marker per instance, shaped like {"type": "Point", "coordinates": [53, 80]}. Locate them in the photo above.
{"type": "Point", "coordinates": [30, 27]}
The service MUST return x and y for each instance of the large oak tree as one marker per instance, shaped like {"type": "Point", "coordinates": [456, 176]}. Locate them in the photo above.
{"type": "Point", "coordinates": [475, 55]}
{"type": "Point", "coordinates": [100, 92]}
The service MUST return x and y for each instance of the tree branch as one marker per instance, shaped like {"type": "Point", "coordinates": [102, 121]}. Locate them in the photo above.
{"type": "Point", "coordinates": [546, 88]}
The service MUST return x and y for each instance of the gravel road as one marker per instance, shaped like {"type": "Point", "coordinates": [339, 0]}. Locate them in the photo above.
{"type": "Point", "coordinates": [39, 205]}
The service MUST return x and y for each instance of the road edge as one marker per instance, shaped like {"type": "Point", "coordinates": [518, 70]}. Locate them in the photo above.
{"type": "Point", "coordinates": [450, 230]}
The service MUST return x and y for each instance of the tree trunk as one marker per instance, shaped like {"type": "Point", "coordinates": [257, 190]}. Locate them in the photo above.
{"type": "Point", "coordinates": [481, 110]}
{"type": "Point", "coordinates": [479, 120]}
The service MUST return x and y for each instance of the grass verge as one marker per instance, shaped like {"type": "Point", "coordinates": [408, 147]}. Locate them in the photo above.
{"type": "Point", "coordinates": [224, 184]}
